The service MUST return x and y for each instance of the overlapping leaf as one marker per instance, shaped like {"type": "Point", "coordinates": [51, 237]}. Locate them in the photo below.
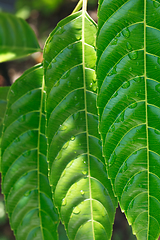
{"type": "Point", "coordinates": [3, 103]}
{"type": "Point", "coordinates": [81, 189]}
{"type": "Point", "coordinates": [128, 70]}
{"type": "Point", "coordinates": [17, 39]}
{"type": "Point", "coordinates": [24, 165]}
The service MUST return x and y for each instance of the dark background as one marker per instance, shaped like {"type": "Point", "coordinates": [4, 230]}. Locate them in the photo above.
{"type": "Point", "coordinates": [43, 16]}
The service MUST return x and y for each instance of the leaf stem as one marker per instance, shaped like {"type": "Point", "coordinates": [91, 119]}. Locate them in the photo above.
{"type": "Point", "coordinates": [79, 6]}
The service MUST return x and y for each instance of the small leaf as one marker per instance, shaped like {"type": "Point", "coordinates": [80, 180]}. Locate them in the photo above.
{"type": "Point", "coordinates": [17, 39]}
{"type": "Point", "coordinates": [24, 166]}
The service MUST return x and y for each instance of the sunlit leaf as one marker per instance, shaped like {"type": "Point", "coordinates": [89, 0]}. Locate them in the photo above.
{"type": "Point", "coordinates": [81, 189]}
{"type": "Point", "coordinates": [17, 39]}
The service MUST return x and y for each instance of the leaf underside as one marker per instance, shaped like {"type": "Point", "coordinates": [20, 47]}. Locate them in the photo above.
{"type": "Point", "coordinates": [17, 39]}
{"type": "Point", "coordinates": [24, 166]}
{"type": "Point", "coordinates": [81, 189]}
{"type": "Point", "coordinates": [128, 72]}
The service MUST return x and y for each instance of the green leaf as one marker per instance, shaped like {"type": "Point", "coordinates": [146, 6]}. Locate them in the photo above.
{"type": "Point", "coordinates": [3, 103]}
{"type": "Point", "coordinates": [17, 39]}
{"type": "Point", "coordinates": [24, 165]}
{"type": "Point", "coordinates": [128, 72]}
{"type": "Point", "coordinates": [81, 188]}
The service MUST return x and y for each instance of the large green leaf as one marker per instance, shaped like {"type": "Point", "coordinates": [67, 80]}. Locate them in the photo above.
{"type": "Point", "coordinates": [80, 185]}
{"type": "Point", "coordinates": [3, 103]}
{"type": "Point", "coordinates": [17, 39]}
{"type": "Point", "coordinates": [128, 71]}
{"type": "Point", "coordinates": [24, 166]}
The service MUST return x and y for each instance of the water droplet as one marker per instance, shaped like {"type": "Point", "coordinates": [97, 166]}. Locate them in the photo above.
{"type": "Point", "coordinates": [82, 192]}
{"type": "Point", "coordinates": [129, 46]}
{"type": "Point", "coordinates": [157, 131]}
{"type": "Point", "coordinates": [54, 60]}
{"type": "Point", "coordinates": [158, 60]}
{"type": "Point", "coordinates": [64, 202]}
{"type": "Point", "coordinates": [156, 4]}
{"type": "Point", "coordinates": [133, 55]}
{"type": "Point", "coordinates": [113, 71]}
{"type": "Point", "coordinates": [17, 139]}
{"type": "Point", "coordinates": [137, 63]}
{"type": "Point", "coordinates": [95, 88]}
{"type": "Point", "coordinates": [78, 78]}
{"type": "Point", "coordinates": [140, 185]}
{"type": "Point", "coordinates": [65, 145]}
{"type": "Point", "coordinates": [112, 160]}
{"type": "Point", "coordinates": [26, 154]}
{"type": "Point", "coordinates": [62, 128]}
{"type": "Point", "coordinates": [57, 84]}
{"type": "Point", "coordinates": [133, 105]}
{"type": "Point", "coordinates": [84, 162]}
{"type": "Point", "coordinates": [72, 138]}
{"type": "Point", "coordinates": [78, 37]}
{"type": "Point", "coordinates": [114, 41]}
{"type": "Point", "coordinates": [27, 193]}
{"type": "Point", "coordinates": [136, 94]}
{"type": "Point", "coordinates": [22, 118]}
{"type": "Point", "coordinates": [91, 85]}
{"type": "Point", "coordinates": [68, 83]}
{"type": "Point", "coordinates": [75, 97]}
{"type": "Point", "coordinates": [66, 75]}
{"type": "Point", "coordinates": [126, 33]}
{"type": "Point", "coordinates": [31, 133]}
{"type": "Point", "coordinates": [60, 30]}
{"type": "Point", "coordinates": [126, 85]}
{"type": "Point", "coordinates": [76, 210]}
{"type": "Point", "coordinates": [70, 46]}
{"type": "Point", "coordinates": [84, 172]}
{"type": "Point", "coordinates": [112, 128]}
{"type": "Point", "coordinates": [130, 69]}
{"type": "Point", "coordinates": [137, 79]}
{"type": "Point", "coordinates": [155, 67]}
{"type": "Point", "coordinates": [120, 118]}
{"type": "Point", "coordinates": [157, 87]}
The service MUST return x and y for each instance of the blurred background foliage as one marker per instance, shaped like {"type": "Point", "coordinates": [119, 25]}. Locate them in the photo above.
{"type": "Point", "coordinates": [43, 16]}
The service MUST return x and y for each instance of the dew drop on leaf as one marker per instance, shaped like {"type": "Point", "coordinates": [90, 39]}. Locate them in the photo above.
{"type": "Point", "coordinates": [129, 46]}
{"type": "Point", "coordinates": [72, 138]}
{"type": "Point", "coordinates": [76, 210]}
{"type": "Point", "coordinates": [60, 30]}
{"type": "Point", "coordinates": [157, 87]}
{"type": "Point", "coordinates": [112, 160]}
{"type": "Point", "coordinates": [82, 192]}
{"type": "Point", "coordinates": [114, 42]}
{"type": "Point", "coordinates": [157, 131]}
{"type": "Point", "coordinates": [22, 118]}
{"type": "Point", "coordinates": [17, 139]}
{"type": "Point", "coordinates": [84, 172]}
{"type": "Point", "coordinates": [134, 105]}
{"type": "Point", "coordinates": [126, 84]}
{"type": "Point", "coordinates": [68, 83]}
{"type": "Point", "coordinates": [133, 55]}
{"type": "Point", "coordinates": [75, 97]}
{"type": "Point", "coordinates": [137, 79]}
{"type": "Point", "coordinates": [64, 202]}
{"type": "Point", "coordinates": [156, 4]}
{"type": "Point", "coordinates": [130, 69]}
{"type": "Point", "coordinates": [66, 75]}
{"type": "Point", "coordinates": [126, 33]}
{"type": "Point", "coordinates": [62, 128]}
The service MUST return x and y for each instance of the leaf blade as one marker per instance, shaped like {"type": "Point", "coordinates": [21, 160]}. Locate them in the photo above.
{"type": "Point", "coordinates": [24, 165]}
{"type": "Point", "coordinates": [17, 38]}
{"type": "Point", "coordinates": [74, 143]}
{"type": "Point", "coordinates": [129, 113]}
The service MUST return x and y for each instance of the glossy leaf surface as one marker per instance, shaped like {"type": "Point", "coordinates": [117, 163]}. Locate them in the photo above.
{"type": "Point", "coordinates": [17, 39]}
{"type": "Point", "coordinates": [24, 165]}
{"type": "Point", "coordinates": [3, 103]}
{"type": "Point", "coordinates": [128, 71]}
{"type": "Point", "coordinates": [81, 189]}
